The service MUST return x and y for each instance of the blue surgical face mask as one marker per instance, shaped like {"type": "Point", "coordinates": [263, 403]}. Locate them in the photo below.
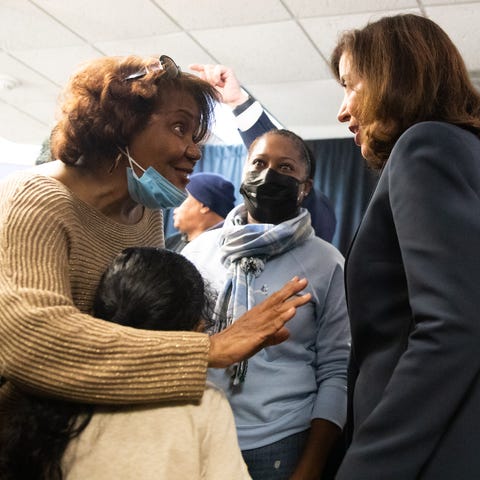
{"type": "Point", "coordinates": [152, 190]}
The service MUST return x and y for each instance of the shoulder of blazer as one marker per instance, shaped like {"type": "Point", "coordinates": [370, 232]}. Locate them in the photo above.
{"type": "Point", "coordinates": [441, 140]}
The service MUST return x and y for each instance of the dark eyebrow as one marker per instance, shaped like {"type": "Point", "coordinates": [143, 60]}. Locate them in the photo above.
{"type": "Point", "coordinates": [184, 111]}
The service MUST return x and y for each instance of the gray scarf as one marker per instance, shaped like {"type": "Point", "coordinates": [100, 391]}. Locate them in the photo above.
{"type": "Point", "coordinates": [245, 248]}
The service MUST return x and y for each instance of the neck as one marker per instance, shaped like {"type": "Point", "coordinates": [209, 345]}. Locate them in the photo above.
{"type": "Point", "coordinates": [101, 188]}
{"type": "Point", "coordinates": [208, 221]}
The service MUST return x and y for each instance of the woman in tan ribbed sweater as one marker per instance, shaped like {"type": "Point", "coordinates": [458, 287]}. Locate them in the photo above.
{"type": "Point", "coordinates": [126, 140]}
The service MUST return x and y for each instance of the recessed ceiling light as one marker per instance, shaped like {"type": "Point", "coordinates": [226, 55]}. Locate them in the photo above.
{"type": "Point", "coordinates": [8, 83]}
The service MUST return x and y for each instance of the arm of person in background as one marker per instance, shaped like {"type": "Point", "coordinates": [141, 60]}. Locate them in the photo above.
{"type": "Point", "coordinates": [252, 121]}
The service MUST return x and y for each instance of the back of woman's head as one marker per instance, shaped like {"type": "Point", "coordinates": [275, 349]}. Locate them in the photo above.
{"type": "Point", "coordinates": [101, 108]}
{"type": "Point", "coordinates": [412, 72]}
{"type": "Point", "coordinates": [153, 289]}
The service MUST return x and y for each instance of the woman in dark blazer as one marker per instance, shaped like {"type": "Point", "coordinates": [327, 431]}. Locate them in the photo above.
{"type": "Point", "coordinates": [413, 271]}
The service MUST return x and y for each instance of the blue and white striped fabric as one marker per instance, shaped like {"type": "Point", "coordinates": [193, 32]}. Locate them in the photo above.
{"type": "Point", "coordinates": [245, 247]}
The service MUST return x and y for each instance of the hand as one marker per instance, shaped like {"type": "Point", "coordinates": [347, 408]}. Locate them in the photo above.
{"type": "Point", "coordinates": [224, 80]}
{"type": "Point", "coordinates": [321, 438]}
{"type": "Point", "coordinates": [261, 326]}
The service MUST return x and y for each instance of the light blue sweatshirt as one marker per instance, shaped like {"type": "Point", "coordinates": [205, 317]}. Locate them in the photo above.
{"type": "Point", "coordinates": [303, 378]}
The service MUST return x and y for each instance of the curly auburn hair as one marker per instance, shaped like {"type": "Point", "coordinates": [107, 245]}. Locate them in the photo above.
{"type": "Point", "coordinates": [412, 72]}
{"type": "Point", "coordinates": [100, 110]}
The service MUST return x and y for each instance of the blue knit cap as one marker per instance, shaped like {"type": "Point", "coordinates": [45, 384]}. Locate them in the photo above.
{"type": "Point", "coordinates": [213, 190]}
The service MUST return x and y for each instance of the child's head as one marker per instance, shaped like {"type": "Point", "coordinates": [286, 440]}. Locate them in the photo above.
{"type": "Point", "coordinates": [153, 289]}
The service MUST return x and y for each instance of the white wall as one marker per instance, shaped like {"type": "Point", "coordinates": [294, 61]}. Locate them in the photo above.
{"type": "Point", "coordinates": [16, 156]}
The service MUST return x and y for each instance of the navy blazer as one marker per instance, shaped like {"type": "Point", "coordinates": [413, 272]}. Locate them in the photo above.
{"type": "Point", "coordinates": [317, 203]}
{"type": "Point", "coordinates": [413, 292]}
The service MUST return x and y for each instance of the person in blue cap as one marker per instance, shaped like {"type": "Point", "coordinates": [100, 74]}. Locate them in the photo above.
{"type": "Point", "coordinates": [210, 198]}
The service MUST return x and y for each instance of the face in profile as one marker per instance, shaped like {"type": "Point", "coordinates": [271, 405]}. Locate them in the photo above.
{"type": "Point", "coordinates": [168, 143]}
{"type": "Point", "coordinates": [353, 87]}
{"type": "Point", "coordinates": [187, 214]}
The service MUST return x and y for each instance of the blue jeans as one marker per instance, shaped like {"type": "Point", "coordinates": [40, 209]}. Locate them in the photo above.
{"type": "Point", "coordinates": [276, 461]}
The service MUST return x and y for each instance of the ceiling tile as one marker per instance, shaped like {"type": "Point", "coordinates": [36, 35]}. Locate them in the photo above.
{"type": "Point", "coordinates": [19, 127]}
{"type": "Point", "coordinates": [23, 26]}
{"type": "Point", "coordinates": [179, 46]}
{"type": "Point", "coordinates": [216, 13]}
{"type": "Point", "coordinates": [56, 63]}
{"type": "Point", "coordinates": [324, 31]}
{"type": "Point", "coordinates": [466, 38]}
{"type": "Point", "coordinates": [304, 107]}
{"type": "Point", "coordinates": [280, 59]}
{"type": "Point", "coordinates": [307, 8]}
{"type": "Point", "coordinates": [110, 19]}
{"type": "Point", "coordinates": [265, 53]}
{"type": "Point", "coordinates": [26, 76]}
{"type": "Point", "coordinates": [447, 2]}
{"type": "Point", "coordinates": [35, 96]}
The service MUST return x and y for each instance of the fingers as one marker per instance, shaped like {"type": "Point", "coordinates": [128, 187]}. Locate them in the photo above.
{"type": "Point", "coordinates": [297, 300]}
{"type": "Point", "coordinates": [278, 337]}
{"type": "Point", "coordinates": [213, 74]}
{"type": "Point", "coordinates": [285, 311]}
{"type": "Point", "coordinates": [290, 291]}
{"type": "Point", "coordinates": [263, 325]}
{"type": "Point", "coordinates": [196, 67]}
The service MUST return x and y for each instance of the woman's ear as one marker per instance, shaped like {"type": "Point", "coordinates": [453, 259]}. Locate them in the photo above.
{"type": "Point", "coordinates": [307, 187]}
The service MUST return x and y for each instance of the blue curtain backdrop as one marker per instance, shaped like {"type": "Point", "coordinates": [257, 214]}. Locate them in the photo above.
{"type": "Point", "coordinates": [340, 173]}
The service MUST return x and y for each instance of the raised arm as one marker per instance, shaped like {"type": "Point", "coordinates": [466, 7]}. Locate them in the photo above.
{"type": "Point", "coordinates": [252, 121]}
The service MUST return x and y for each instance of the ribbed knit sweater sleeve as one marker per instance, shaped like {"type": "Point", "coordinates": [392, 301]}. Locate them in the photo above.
{"type": "Point", "coordinates": [53, 250]}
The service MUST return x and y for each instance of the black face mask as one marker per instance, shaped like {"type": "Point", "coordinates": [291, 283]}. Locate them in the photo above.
{"type": "Point", "coordinates": [269, 196]}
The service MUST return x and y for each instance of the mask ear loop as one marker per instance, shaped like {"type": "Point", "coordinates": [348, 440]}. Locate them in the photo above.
{"type": "Point", "coordinates": [130, 159]}
{"type": "Point", "coordinates": [115, 164]}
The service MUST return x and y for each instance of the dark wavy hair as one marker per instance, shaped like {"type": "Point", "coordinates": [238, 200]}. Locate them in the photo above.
{"type": "Point", "coordinates": [100, 110]}
{"type": "Point", "coordinates": [143, 287]}
{"type": "Point", "coordinates": [412, 72]}
{"type": "Point", "coordinates": [153, 289]}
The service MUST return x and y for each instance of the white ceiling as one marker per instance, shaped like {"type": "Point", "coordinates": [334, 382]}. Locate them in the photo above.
{"type": "Point", "coordinates": [278, 48]}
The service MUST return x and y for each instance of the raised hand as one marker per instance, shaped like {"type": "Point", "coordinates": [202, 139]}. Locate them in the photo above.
{"type": "Point", "coordinates": [224, 80]}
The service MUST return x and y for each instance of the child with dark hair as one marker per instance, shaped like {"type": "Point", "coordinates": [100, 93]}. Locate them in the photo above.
{"type": "Point", "coordinates": [151, 289]}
